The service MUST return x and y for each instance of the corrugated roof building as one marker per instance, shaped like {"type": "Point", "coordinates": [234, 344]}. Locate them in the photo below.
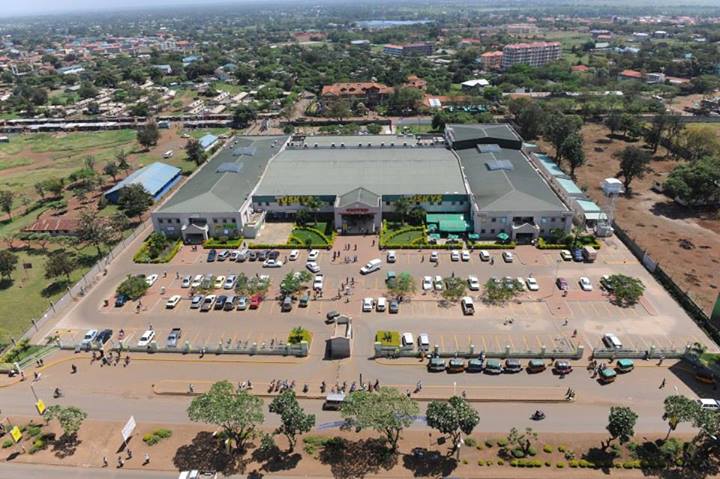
{"type": "Point", "coordinates": [157, 178]}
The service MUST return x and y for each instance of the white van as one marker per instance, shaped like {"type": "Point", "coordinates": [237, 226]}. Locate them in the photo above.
{"type": "Point", "coordinates": [612, 341]}
{"type": "Point", "coordinates": [373, 265]}
{"type": "Point", "coordinates": [711, 404]}
{"type": "Point", "coordinates": [381, 304]}
{"type": "Point", "coordinates": [407, 339]}
{"type": "Point", "coordinates": [468, 306]}
{"type": "Point", "coordinates": [168, 154]}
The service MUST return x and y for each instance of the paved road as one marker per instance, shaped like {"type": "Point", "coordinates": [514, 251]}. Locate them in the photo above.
{"type": "Point", "coordinates": [27, 471]}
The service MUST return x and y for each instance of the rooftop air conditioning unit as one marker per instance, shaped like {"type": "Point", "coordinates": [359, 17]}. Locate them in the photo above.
{"type": "Point", "coordinates": [332, 145]}
{"type": "Point", "coordinates": [342, 145]}
{"type": "Point", "coordinates": [382, 145]}
{"type": "Point", "coordinates": [359, 145]}
{"type": "Point", "coordinates": [405, 144]}
{"type": "Point", "coordinates": [392, 145]}
{"type": "Point", "coordinates": [316, 145]}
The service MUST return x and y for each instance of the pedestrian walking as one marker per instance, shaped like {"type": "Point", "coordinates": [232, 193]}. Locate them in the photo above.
{"type": "Point", "coordinates": [129, 454]}
{"type": "Point", "coordinates": [662, 384]}
{"type": "Point", "coordinates": [105, 462]}
{"type": "Point", "coordinates": [121, 463]}
{"type": "Point", "coordinates": [190, 388]}
{"type": "Point", "coordinates": [147, 459]}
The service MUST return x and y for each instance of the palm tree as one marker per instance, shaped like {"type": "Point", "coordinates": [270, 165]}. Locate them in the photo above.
{"type": "Point", "coordinates": [402, 207]}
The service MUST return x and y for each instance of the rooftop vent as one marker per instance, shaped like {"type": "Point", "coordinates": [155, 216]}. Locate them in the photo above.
{"type": "Point", "coordinates": [497, 165]}
{"type": "Point", "coordinates": [229, 168]}
{"type": "Point", "coordinates": [492, 148]}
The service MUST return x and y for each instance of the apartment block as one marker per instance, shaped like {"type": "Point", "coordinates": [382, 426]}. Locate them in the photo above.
{"type": "Point", "coordinates": [534, 54]}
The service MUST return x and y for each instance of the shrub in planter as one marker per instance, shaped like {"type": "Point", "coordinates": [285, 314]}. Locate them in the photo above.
{"type": "Point", "coordinates": [470, 442]}
{"type": "Point", "coordinates": [561, 448]}
{"type": "Point", "coordinates": [532, 450]}
{"type": "Point", "coordinates": [573, 463]}
{"type": "Point", "coordinates": [560, 465]}
{"type": "Point", "coordinates": [489, 443]}
{"type": "Point", "coordinates": [517, 452]}
{"type": "Point", "coordinates": [548, 449]}
{"type": "Point", "coordinates": [500, 462]}
{"type": "Point", "coordinates": [548, 463]}
{"type": "Point", "coordinates": [7, 443]}
{"type": "Point", "coordinates": [481, 462]}
{"type": "Point", "coordinates": [502, 442]}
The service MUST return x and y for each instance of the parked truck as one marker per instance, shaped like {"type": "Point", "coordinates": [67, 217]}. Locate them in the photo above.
{"type": "Point", "coordinates": [589, 254]}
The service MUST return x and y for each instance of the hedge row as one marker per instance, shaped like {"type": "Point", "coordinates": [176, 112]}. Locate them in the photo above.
{"type": "Point", "coordinates": [288, 245]}
{"type": "Point", "coordinates": [214, 243]}
{"type": "Point", "coordinates": [510, 245]}
{"type": "Point", "coordinates": [542, 244]}
{"type": "Point", "coordinates": [142, 255]}
{"type": "Point", "coordinates": [316, 231]}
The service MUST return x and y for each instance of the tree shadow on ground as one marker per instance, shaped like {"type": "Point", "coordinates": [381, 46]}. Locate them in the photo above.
{"type": "Point", "coordinates": [274, 460]}
{"type": "Point", "coordinates": [6, 283]}
{"type": "Point", "coordinates": [88, 260]}
{"type": "Point", "coordinates": [423, 462]}
{"type": "Point", "coordinates": [207, 453]}
{"type": "Point", "coordinates": [602, 457]}
{"type": "Point", "coordinates": [54, 288]}
{"type": "Point", "coordinates": [672, 210]}
{"type": "Point", "coordinates": [66, 446]}
{"type": "Point", "coordinates": [357, 459]}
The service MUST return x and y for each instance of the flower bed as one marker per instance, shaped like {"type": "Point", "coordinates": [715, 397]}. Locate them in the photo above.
{"type": "Point", "coordinates": [143, 255]}
{"type": "Point", "coordinates": [214, 243]}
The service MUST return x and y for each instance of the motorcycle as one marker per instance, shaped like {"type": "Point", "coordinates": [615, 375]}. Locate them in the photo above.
{"type": "Point", "coordinates": [57, 393]}
{"type": "Point", "coordinates": [538, 416]}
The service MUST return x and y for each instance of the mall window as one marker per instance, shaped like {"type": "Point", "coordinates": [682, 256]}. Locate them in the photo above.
{"type": "Point", "coordinates": [482, 231]}
{"type": "Point", "coordinates": [494, 219]}
{"type": "Point", "coordinates": [160, 220]}
{"type": "Point", "coordinates": [492, 231]}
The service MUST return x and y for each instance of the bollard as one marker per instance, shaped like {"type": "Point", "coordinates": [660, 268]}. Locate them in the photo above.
{"type": "Point", "coordinates": [472, 349]}
{"type": "Point", "coordinates": [507, 350]}
{"type": "Point", "coordinates": [436, 350]}
{"type": "Point", "coordinates": [652, 351]}
{"type": "Point", "coordinates": [220, 347]}
{"type": "Point", "coordinates": [543, 349]}
{"type": "Point", "coordinates": [186, 347]}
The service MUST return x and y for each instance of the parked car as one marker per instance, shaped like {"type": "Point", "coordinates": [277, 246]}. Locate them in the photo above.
{"type": "Point", "coordinates": [434, 257]}
{"type": "Point", "coordinates": [230, 281]}
{"type": "Point", "coordinates": [465, 255]}
{"type": "Point", "coordinates": [562, 284]}
{"type": "Point", "coordinates": [475, 365]}
{"type": "Point", "coordinates": [197, 281]}
{"type": "Point", "coordinates": [89, 337]}
{"type": "Point", "coordinates": [273, 254]}
{"type": "Point", "coordinates": [436, 365]}
{"type": "Point", "coordinates": [262, 255]}
{"type": "Point", "coordinates": [252, 255]}
{"type": "Point", "coordinates": [207, 303]}
{"type": "Point", "coordinates": [577, 255]}
{"type": "Point", "coordinates": [230, 303]}
{"type": "Point", "coordinates": [173, 337]}
{"type": "Point", "coordinates": [536, 366]}
{"type": "Point", "coordinates": [605, 283]}
{"type": "Point", "coordinates": [146, 338]}
{"type": "Point", "coordinates": [103, 336]}
{"type": "Point", "coordinates": [519, 283]}
{"type": "Point", "coordinates": [423, 342]}
{"type": "Point", "coordinates": [507, 256]}
{"type": "Point", "coordinates": [473, 283]}
{"type": "Point", "coordinates": [219, 282]}
{"type": "Point", "coordinates": [272, 263]}
{"type": "Point", "coordinates": [312, 266]}
{"type": "Point", "coordinates": [313, 255]}
{"type": "Point", "coordinates": [186, 281]}
{"type": "Point", "coordinates": [390, 278]}
{"type": "Point", "coordinates": [255, 301]}
{"type": "Point", "coordinates": [454, 255]}
{"type": "Point", "coordinates": [331, 316]}
{"type": "Point", "coordinates": [286, 305]}
{"type": "Point", "coordinates": [391, 257]}
{"type": "Point", "coordinates": [212, 254]}
{"type": "Point", "coordinates": [304, 300]}
{"type": "Point", "coordinates": [468, 307]}
{"type": "Point", "coordinates": [394, 307]}
{"type": "Point", "coordinates": [318, 282]}
{"type": "Point", "coordinates": [710, 404]}
{"type": "Point", "coordinates": [242, 256]}
{"type": "Point", "coordinates": [223, 255]}
{"type": "Point", "coordinates": [612, 341]}
{"type": "Point", "coordinates": [220, 302]}
{"type": "Point", "coordinates": [120, 300]}
{"type": "Point", "coordinates": [294, 254]}
{"type": "Point", "coordinates": [381, 304]}
{"type": "Point", "coordinates": [427, 283]}
{"type": "Point", "coordinates": [585, 283]}
{"type": "Point", "coordinates": [484, 255]}
{"type": "Point", "coordinates": [173, 301]}
{"type": "Point", "coordinates": [150, 279]}
{"type": "Point", "coordinates": [512, 366]}
{"type": "Point", "coordinates": [242, 303]}
{"type": "Point", "coordinates": [197, 301]}
{"type": "Point", "coordinates": [493, 366]}
{"type": "Point", "coordinates": [532, 284]}
{"type": "Point", "coordinates": [438, 282]}
{"type": "Point", "coordinates": [367, 305]}
{"type": "Point", "coordinates": [566, 255]}
{"type": "Point", "coordinates": [233, 255]}
{"type": "Point", "coordinates": [562, 367]}
{"type": "Point", "coordinates": [371, 266]}
{"type": "Point", "coordinates": [456, 365]}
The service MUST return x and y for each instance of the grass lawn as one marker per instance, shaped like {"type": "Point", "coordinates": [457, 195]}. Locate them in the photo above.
{"type": "Point", "coordinates": [28, 296]}
{"type": "Point", "coordinates": [388, 338]}
{"type": "Point", "coordinates": [416, 129]}
{"type": "Point", "coordinates": [228, 87]}
{"type": "Point", "coordinates": [197, 134]}
{"type": "Point", "coordinates": [406, 237]}
{"type": "Point", "coordinates": [304, 235]}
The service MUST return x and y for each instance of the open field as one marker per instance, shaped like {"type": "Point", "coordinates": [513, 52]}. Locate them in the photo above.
{"type": "Point", "coordinates": [686, 244]}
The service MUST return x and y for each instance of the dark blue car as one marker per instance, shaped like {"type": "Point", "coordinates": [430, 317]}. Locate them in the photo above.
{"type": "Point", "coordinates": [211, 256]}
{"type": "Point", "coordinates": [120, 300]}
{"type": "Point", "coordinates": [577, 255]}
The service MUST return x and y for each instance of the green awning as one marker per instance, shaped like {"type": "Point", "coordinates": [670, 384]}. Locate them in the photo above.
{"type": "Point", "coordinates": [435, 236]}
{"type": "Point", "coordinates": [474, 236]}
{"type": "Point", "coordinates": [503, 236]}
{"type": "Point", "coordinates": [453, 226]}
{"type": "Point", "coordinates": [432, 227]}
{"type": "Point", "coordinates": [453, 237]}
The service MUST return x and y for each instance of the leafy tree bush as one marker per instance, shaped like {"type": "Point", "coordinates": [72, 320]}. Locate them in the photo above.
{"type": "Point", "coordinates": [133, 287]}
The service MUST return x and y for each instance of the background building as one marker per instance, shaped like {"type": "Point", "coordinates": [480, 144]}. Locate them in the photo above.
{"type": "Point", "coordinates": [157, 179]}
{"type": "Point", "coordinates": [491, 60]}
{"type": "Point", "coordinates": [534, 54]}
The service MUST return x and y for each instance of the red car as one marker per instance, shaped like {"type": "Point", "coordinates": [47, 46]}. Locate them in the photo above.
{"type": "Point", "coordinates": [562, 284]}
{"type": "Point", "coordinates": [255, 301]}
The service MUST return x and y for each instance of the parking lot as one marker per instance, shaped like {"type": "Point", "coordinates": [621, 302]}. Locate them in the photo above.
{"type": "Point", "coordinates": [544, 318]}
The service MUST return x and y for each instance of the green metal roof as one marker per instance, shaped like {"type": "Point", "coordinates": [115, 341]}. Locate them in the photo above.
{"type": "Point", "coordinates": [449, 223]}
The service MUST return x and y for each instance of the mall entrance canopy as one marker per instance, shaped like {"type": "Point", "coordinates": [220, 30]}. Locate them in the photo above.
{"type": "Point", "coordinates": [448, 222]}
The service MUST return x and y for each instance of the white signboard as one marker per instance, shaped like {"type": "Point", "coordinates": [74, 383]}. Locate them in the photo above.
{"type": "Point", "coordinates": [128, 429]}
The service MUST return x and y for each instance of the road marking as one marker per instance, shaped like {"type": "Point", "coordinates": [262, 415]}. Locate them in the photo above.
{"type": "Point", "coordinates": [484, 343]}
{"type": "Point", "coordinates": [525, 341]}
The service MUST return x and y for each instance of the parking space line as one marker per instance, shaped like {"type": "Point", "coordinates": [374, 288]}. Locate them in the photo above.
{"type": "Point", "coordinates": [525, 341]}
{"type": "Point", "coordinates": [442, 342]}
{"type": "Point", "coordinates": [540, 344]}
{"type": "Point", "coordinates": [484, 343]}
{"type": "Point", "coordinates": [497, 343]}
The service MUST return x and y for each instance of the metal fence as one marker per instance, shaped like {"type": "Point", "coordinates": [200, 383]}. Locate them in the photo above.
{"type": "Point", "coordinates": [652, 353]}
{"type": "Point", "coordinates": [85, 283]}
{"type": "Point", "coordinates": [400, 352]}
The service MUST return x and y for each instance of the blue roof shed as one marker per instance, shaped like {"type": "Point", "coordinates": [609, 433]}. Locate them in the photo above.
{"type": "Point", "coordinates": [157, 178]}
{"type": "Point", "coordinates": [208, 141]}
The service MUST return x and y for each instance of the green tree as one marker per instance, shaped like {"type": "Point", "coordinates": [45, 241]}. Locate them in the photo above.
{"type": "Point", "coordinates": [630, 125]}
{"type": "Point", "coordinates": [679, 409]}
{"type": "Point", "coordinates": [134, 200]}
{"type": "Point", "coordinates": [572, 150]}
{"type": "Point", "coordinates": [656, 131]}
{"type": "Point", "coordinates": [8, 264]}
{"type": "Point", "coordinates": [7, 198]}
{"type": "Point", "coordinates": [634, 163]}
{"type": "Point", "coordinates": [388, 412]}
{"type": "Point", "coordinates": [621, 424]}
{"type": "Point", "coordinates": [626, 290]}
{"type": "Point", "coordinates": [696, 183]}
{"type": "Point", "coordinates": [70, 418]}
{"type": "Point", "coordinates": [148, 134]}
{"type": "Point", "coordinates": [293, 419]}
{"type": "Point", "coordinates": [700, 141]}
{"type": "Point", "coordinates": [87, 90]}
{"type": "Point", "coordinates": [243, 116]}
{"type": "Point", "coordinates": [402, 285]}
{"type": "Point", "coordinates": [531, 118]}
{"type": "Point", "coordinates": [111, 170]}
{"type": "Point", "coordinates": [156, 243]}
{"type": "Point", "coordinates": [195, 151]}
{"type": "Point", "coordinates": [404, 101]}
{"type": "Point", "coordinates": [438, 121]}
{"type": "Point", "coordinates": [122, 161]}
{"type": "Point", "coordinates": [522, 440]}
{"type": "Point", "coordinates": [454, 288]}
{"type": "Point", "coordinates": [313, 204]}
{"type": "Point", "coordinates": [60, 263]}
{"type": "Point", "coordinates": [559, 126]}
{"type": "Point", "coordinates": [338, 109]}
{"type": "Point", "coordinates": [237, 412]}
{"type": "Point", "coordinates": [294, 282]}
{"type": "Point", "coordinates": [133, 287]}
{"type": "Point", "coordinates": [374, 128]}
{"type": "Point", "coordinates": [614, 121]}
{"type": "Point", "coordinates": [499, 293]}
{"type": "Point", "coordinates": [40, 189]}
{"type": "Point", "coordinates": [94, 230]}
{"type": "Point", "coordinates": [453, 418]}
{"type": "Point", "coordinates": [402, 207]}
{"type": "Point", "coordinates": [55, 186]}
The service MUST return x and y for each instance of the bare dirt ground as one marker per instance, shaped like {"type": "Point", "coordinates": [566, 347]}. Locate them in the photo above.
{"type": "Point", "coordinates": [685, 243]}
{"type": "Point", "coordinates": [421, 453]}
